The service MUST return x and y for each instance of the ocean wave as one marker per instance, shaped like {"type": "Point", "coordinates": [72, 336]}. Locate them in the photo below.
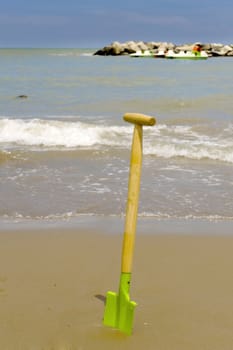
{"type": "Point", "coordinates": [71, 53]}
{"type": "Point", "coordinates": [164, 216]}
{"type": "Point", "coordinates": [192, 142]}
{"type": "Point", "coordinates": [67, 216]}
{"type": "Point", "coordinates": [56, 133]}
{"type": "Point", "coordinates": [197, 141]}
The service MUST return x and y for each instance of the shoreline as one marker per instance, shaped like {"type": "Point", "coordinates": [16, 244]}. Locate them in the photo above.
{"type": "Point", "coordinates": [115, 225]}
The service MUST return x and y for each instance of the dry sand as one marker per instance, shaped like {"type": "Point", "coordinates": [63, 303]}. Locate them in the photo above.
{"type": "Point", "coordinates": [49, 281]}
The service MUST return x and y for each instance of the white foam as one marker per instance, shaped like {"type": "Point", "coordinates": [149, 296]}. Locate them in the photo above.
{"type": "Point", "coordinates": [184, 141]}
{"type": "Point", "coordinates": [166, 141]}
{"type": "Point", "coordinates": [52, 133]}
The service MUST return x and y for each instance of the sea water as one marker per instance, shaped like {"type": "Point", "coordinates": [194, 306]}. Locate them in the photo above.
{"type": "Point", "coordinates": [65, 149]}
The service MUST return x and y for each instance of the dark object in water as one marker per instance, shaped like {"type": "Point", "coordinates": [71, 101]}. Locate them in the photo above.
{"type": "Point", "coordinates": [22, 96]}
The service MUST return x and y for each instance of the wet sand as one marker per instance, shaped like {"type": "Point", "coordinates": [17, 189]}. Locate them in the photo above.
{"type": "Point", "coordinates": [52, 282]}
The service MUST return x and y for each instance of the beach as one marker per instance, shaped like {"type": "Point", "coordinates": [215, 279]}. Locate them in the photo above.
{"type": "Point", "coordinates": [53, 282]}
{"type": "Point", "coordinates": [64, 166]}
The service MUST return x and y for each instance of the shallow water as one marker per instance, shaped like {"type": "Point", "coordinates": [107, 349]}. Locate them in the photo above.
{"type": "Point", "coordinates": [64, 150]}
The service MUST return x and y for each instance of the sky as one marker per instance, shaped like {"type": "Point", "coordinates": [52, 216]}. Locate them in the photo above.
{"type": "Point", "coordinates": [97, 23]}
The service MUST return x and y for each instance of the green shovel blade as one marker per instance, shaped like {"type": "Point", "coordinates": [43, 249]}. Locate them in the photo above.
{"type": "Point", "coordinates": [119, 310]}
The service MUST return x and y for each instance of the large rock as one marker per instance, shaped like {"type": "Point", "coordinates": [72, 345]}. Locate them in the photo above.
{"type": "Point", "coordinates": [130, 47]}
{"type": "Point", "coordinates": [142, 46]}
{"type": "Point", "coordinates": [117, 48]}
{"type": "Point", "coordinates": [221, 50]}
{"type": "Point", "coordinates": [186, 47]}
{"type": "Point", "coordinates": [105, 51]}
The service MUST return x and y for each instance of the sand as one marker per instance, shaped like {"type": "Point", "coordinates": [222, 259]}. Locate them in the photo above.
{"type": "Point", "coordinates": [52, 282]}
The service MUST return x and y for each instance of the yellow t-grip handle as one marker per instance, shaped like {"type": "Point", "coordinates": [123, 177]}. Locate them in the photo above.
{"type": "Point", "coordinates": [139, 119]}
{"type": "Point", "coordinates": [133, 187]}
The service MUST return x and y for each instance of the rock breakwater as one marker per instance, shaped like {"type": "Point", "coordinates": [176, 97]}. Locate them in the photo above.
{"type": "Point", "coordinates": [129, 47]}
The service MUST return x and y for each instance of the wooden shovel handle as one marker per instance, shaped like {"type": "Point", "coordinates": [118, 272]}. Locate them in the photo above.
{"type": "Point", "coordinates": [133, 187]}
{"type": "Point", "coordinates": [132, 202]}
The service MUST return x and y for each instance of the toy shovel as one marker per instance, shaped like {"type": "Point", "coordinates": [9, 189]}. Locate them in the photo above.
{"type": "Point", "coordinates": [119, 309]}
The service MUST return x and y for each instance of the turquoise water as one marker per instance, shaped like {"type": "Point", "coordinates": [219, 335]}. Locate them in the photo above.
{"type": "Point", "coordinates": [64, 150]}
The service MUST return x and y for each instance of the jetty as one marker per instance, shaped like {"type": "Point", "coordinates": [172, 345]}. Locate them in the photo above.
{"type": "Point", "coordinates": [130, 47]}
